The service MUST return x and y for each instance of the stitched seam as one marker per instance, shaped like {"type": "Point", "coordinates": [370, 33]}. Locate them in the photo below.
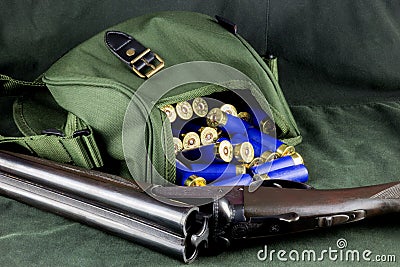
{"type": "Point", "coordinates": [20, 114]}
{"type": "Point", "coordinates": [28, 146]}
{"type": "Point", "coordinates": [66, 150]}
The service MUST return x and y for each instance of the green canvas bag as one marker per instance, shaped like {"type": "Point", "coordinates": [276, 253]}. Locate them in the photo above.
{"type": "Point", "coordinates": [95, 88]}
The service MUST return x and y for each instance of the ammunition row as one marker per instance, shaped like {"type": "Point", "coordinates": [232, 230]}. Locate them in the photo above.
{"type": "Point", "coordinates": [220, 146]}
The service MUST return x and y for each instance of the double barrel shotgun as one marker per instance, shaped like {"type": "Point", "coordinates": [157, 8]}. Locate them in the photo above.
{"type": "Point", "coordinates": [171, 220]}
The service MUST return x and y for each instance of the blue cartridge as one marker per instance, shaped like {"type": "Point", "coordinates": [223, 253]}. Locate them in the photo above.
{"type": "Point", "coordinates": [262, 120]}
{"type": "Point", "coordinates": [297, 173]}
{"type": "Point", "coordinates": [229, 109]}
{"type": "Point", "coordinates": [216, 171]}
{"type": "Point", "coordinates": [218, 152]}
{"type": "Point", "coordinates": [208, 135]}
{"type": "Point", "coordinates": [267, 141]}
{"type": "Point", "coordinates": [170, 112]}
{"type": "Point", "coordinates": [244, 179]}
{"type": "Point", "coordinates": [270, 143]}
{"type": "Point", "coordinates": [185, 176]}
{"type": "Point", "coordinates": [184, 110]}
{"type": "Point", "coordinates": [277, 164]}
{"type": "Point", "coordinates": [240, 138]}
{"type": "Point", "coordinates": [228, 123]}
{"type": "Point", "coordinates": [191, 140]}
{"type": "Point", "coordinates": [178, 145]}
{"type": "Point", "coordinates": [243, 150]}
{"type": "Point", "coordinates": [200, 106]}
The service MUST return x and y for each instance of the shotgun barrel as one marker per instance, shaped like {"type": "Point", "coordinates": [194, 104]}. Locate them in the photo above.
{"type": "Point", "coordinates": [105, 201]}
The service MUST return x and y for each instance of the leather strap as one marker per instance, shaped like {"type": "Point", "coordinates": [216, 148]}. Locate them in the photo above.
{"type": "Point", "coordinates": [133, 53]}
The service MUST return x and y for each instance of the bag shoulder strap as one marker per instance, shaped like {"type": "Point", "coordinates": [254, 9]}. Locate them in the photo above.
{"type": "Point", "coordinates": [75, 144]}
{"type": "Point", "coordinates": [13, 87]}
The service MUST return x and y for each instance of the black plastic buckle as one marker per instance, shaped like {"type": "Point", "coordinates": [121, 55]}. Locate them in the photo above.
{"type": "Point", "coordinates": [56, 132]}
{"type": "Point", "coordinates": [53, 131]}
{"type": "Point", "coordinates": [84, 132]}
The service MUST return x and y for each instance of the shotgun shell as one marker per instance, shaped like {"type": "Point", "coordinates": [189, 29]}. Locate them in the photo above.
{"type": "Point", "coordinates": [263, 120]}
{"type": "Point", "coordinates": [244, 179]}
{"type": "Point", "coordinates": [178, 146]}
{"type": "Point", "coordinates": [245, 116]}
{"type": "Point", "coordinates": [185, 176]}
{"type": "Point", "coordinates": [267, 126]}
{"type": "Point", "coordinates": [240, 138]}
{"type": "Point", "coordinates": [285, 150]}
{"type": "Point", "coordinates": [244, 152]}
{"type": "Point", "coordinates": [269, 155]}
{"type": "Point", "coordinates": [224, 151]}
{"type": "Point", "coordinates": [218, 152]}
{"type": "Point", "coordinates": [208, 135]}
{"type": "Point", "coordinates": [191, 140]}
{"type": "Point", "coordinates": [279, 163]}
{"type": "Point", "coordinates": [169, 110]}
{"type": "Point", "coordinates": [195, 180]}
{"type": "Point", "coordinates": [255, 162]}
{"type": "Point", "coordinates": [297, 173]}
{"type": "Point", "coordinates": [200, 106]}
{"type": "Point", "coordinates": [230, 124]}
{"type": "Point", "coordinates": [270, 143]}
{"type": "Point", "coordinates": [184, 110]}
{"type": "Point", "coordinates": [229, 109]}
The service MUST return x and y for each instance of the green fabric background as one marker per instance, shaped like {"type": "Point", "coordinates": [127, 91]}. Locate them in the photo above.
{"type": "Point", "coordinates": [339, 69]}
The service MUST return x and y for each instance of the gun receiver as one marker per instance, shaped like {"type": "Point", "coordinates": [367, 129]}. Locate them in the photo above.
{"type": "Point", "coordinates": [282, 207]}
{"type": "Point", "coordinates": [232, 213]}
